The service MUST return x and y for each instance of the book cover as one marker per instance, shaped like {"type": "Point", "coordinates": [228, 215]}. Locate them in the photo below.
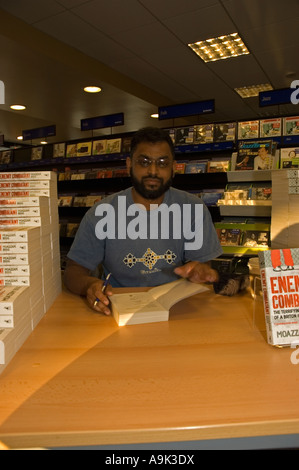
{"type": "Point", "coordinates": [255, 155]}
{"type": "Point", "coordinates": [196, 167]}
{"type": "Point", "coordinates": [225, 132]}
{"type": "Point", "coordinates": [218, 166]}
{"type": "Point", "coordinates": [289, 157]}
{"type": "Point", "coordinates": [203, 134]}
{"type": "Point", "coordinates": [36, 153]}
{"type": "Point", "coordinates": [84, 149]}
{"type": "Point", "coordinates": [291, 125]}
{"type": "Point", "coordinates": [248, 130]}
{"type": "Point", "coordinates": [59, 150]}
{"type": "Point", "coordinates": [280, 284]}
{"type": "Point", "coordinates": [99, 147]}
{"type": "Point", "coordinates": [113, 146]}
{"type": "Point", "coordinates": [184, 135]}
{"type": "Point", "coordinates": [256, 238]}
{"type": "Point", "coordinates": [270, 127]}
{"type": "Point", "coordinates": [71, 150]}
{"type": "Point", "coordinates": [180, 167]}
{"type": "Point", "coordinates": [229, 236]}
{"type": "Point", "coordinates": [5, 157]}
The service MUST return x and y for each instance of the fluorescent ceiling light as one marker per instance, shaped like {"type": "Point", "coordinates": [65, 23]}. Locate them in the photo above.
{"type": "Point", "coordinates": [18, 107]}
{"type": "Point", "coordinates": [223, 47]}
{"type": "Point", "coordinates": [92, 89]}
{"type": "Point", "coordinates": [155, 116]}
{"type": "Point", "coordinates": [253, 90]}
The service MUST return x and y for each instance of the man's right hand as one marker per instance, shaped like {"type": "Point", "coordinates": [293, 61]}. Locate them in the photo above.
{"type": "Point", "coordinates": [98, 300]}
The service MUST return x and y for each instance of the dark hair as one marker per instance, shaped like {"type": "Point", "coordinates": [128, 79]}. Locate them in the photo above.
{"type": "Point", "coordinates": [151, 135]}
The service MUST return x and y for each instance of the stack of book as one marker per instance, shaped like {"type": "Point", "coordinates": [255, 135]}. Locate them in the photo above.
{"type": "Point", "coordinates": [30, 275]}
{"type": "Point", "coordinates": [285, 209]}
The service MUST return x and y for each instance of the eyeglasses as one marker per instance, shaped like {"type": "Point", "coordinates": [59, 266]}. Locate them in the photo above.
{"type": "Point", "coordinates": [145, 162]}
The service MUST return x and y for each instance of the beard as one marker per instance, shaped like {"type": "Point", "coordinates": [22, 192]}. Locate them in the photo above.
{"type": "Point", "coordinates": [148, 193]}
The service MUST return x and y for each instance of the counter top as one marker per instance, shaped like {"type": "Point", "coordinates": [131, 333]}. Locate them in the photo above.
{"type": "Point", "coordinates": [207, 373]}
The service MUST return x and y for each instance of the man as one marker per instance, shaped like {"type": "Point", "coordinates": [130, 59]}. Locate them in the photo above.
{"type": "Point", "coordinates": [129, 235]}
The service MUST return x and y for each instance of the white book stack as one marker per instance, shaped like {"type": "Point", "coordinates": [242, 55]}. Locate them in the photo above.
{"type": "Point", "coordinates": [29, 252]}
{"type": "Point", "coordinates": [285, 209]}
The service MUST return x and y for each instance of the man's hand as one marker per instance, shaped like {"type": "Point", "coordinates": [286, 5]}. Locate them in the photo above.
{"type": "Point", "coordinates": [197, 272]}
{"type": "Point", "coordinates": [98, 300]}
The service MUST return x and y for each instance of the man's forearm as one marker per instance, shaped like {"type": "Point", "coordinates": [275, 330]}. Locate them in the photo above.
{"type": "Point", "coordinates": [77, 279]}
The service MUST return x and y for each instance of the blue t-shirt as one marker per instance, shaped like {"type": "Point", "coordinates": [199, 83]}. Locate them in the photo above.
{"type": "Point", "coordinates": [140, 247]}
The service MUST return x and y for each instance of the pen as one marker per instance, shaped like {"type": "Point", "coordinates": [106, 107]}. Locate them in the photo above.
{"type": "Point", "coordinates": [103, 288]}
{"type": "Point", "coordinates": [106, 282]}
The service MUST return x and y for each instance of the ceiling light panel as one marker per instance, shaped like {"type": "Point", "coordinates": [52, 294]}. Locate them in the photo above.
{"type": "Point", "coordinates": [253, 90]}
{"type": "Point", "coordinates": [223, 47]}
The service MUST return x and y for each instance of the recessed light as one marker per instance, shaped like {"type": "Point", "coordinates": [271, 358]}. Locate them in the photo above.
{"type": "Point", "coordinates": [92, 89]}
{"type": "Point", "coordinates": [155, 115]}
{"type": "Point", "coordinates": [223, 47]}
{"type": "Point", "coordinates": [43, 142]}
{"type": "Point", "coordinates": [20, 137]}
{"type": "Point", "coordinates": [18, 107]}
{"type": "Point", "coordinates": [253, 90]}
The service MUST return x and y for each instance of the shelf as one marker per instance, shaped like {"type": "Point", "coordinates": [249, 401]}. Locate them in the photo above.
{"type": "Point", "coordinates": [245, 211]}
{"type": "Point", "coordinates": [249, 175]}
{"type": "Point", "coordinates": [242, 250]}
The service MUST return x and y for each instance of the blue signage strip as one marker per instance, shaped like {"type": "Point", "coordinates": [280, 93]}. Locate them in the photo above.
{"type": "Point", "coordinates": [275, 97]}
{"type": "Point", "coordinates": [187, 109]}
{"type": "Point", "coordinates": [39, 133]}
{"type": "Point", "coordinates": [100, 122]}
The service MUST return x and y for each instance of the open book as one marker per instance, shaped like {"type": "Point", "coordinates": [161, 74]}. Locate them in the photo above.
{"type": "Point", "coordinates": [153, 305]}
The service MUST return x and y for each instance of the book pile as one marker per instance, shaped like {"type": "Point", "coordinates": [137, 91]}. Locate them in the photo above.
{"type": "Point", "coordinates": [285, 209]}
{"type": "Point", "coordinates": [30, 276]}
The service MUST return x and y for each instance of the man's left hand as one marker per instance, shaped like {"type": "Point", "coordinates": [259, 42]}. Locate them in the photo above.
{"type": "Point", "coordinates": [197, 272]}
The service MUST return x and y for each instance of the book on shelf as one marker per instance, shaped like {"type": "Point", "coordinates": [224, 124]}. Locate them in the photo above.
{"type": "Point", "coordinates": [153, 305]}
{"type": "Point", "coordinates": [256, 238]}
{"type": "Point", "coordinates": [37, 153]}
{"type": "Point", "coordinates": [289, 157]}
{"type": "Point", "coordinates": [113, 146]}
{"type": "Point", "coordinates": [99, 147]}
{"type": "Point", "coordinates": [71, 150]}
{"type": "Point", "coordinates": [180, 167]}
{"type": "Point", "coordinates": [184, 135]}
{"type": "Point", "coordinates": [218, 165]}
{"type": "Point", "coordinates": [59, 150]}
{"type": "Point", "coordinates": [291, 125]}
{"type": "Point", "coordinates": [229, 236]}
{"type": "Point", "coordinates": [5, 157]}
{"type": "Point", "coordinates": [196, 167]}
{"type": "Point", "coordinates": [255, 155]}
{"type": "Point", "coordinates": [211, 196]}
{"type": "Point", "coordinates": [126, 145]}
{"type": "Point", "coordinates": [203, 134]}
{"type": "Point", "coordinates": [84, 149]}
{"type": "Point", "coordinates": [248, 130]}
{"type": "Point", "coordinates": [65, 201]}
{"type": "Point", "coordinates": [280, 285]}
{"type": "Point", "coordinates": [270, 127]}
{"type": "Point", "coordinates": [225, 132]}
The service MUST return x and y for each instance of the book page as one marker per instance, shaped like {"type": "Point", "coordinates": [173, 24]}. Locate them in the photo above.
{"type": "Point", "coordinates": [172, 292]}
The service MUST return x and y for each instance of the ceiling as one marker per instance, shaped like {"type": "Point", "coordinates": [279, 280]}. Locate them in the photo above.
{"type": "Point", "coordinates": [136, 51]}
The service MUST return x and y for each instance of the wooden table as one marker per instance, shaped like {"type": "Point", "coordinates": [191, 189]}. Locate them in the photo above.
{"type": "Point", "coordinates": [207, 373]}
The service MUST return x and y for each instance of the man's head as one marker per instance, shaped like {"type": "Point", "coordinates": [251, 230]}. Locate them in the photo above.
{"type": "Point", "coordinates": [151, 163]}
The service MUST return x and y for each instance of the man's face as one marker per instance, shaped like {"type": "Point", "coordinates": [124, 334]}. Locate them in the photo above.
{"type": "Point", "coordinates": [151, 169]}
